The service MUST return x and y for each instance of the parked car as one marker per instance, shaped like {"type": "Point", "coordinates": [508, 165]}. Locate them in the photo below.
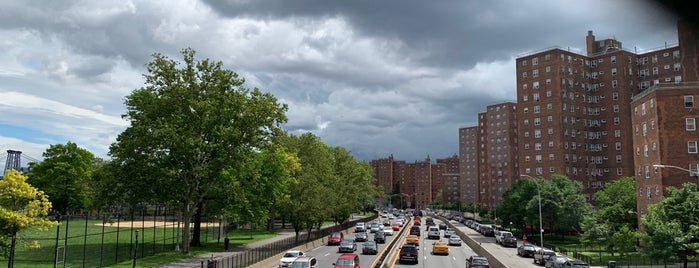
{"type": "Point", "coordinates": [335, 238]}
{"type": "Point", "coordinates": [347, 245]}
{"type": "Point", "coordinates": [573, 263]}
{"type": "Point", "coordinates": [541, 255]}
{"type": "Point", "coordinates": [412, 239]}
{"type": "Point", "coordinates": [556, 261]}
{"type": "Point", "coordinates": [408, 253]}
{"type": "Point", "coordinates": [370, 247]}
{"type": "Point", "coordinates": [440, 247]}
{"type": "Point", "coordinates": [526, 251]}
{"type": "Point", "coordinates": [304, 262]}
{"type": "Point", "coordinates": [380, 237]}
{"type": "Point", "coordinates": [477, 262]}
{"type": "Point", "coordinates": [488, 231]}
{"type": "Point", "coordinates": [455, 240]}
{"type": "Point", "coordinates": [360, 227]}
{"type": "Point", "coordinates": [347, 261]}
{"type": "Point", "coordinates": [289, 257]}
{"type": "Point", "coordinates": [506, 239]}
{"type": "Point", "coordinates": [449, 232]}
{"type": "Point", "coordinates": [361, 237]}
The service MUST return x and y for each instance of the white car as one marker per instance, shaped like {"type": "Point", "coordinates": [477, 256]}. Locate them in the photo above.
{"type": "Point", "coordinates": [454, 240]}
{"type": "Point", "coordinates": [289, 257]}
{"type": "Point", "coordinates": [388, 230]}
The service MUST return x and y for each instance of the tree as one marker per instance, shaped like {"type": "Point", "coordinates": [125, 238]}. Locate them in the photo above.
{"type": "Point", "coordinates": [21, 206]}
{"type": "Point", "coordinates": [617, 203]}
{"type": "Point", "coordinates": [189, 124]}
{"type": "Point", "coordinates": [65, 176]}
{"type": "Point", "coordinates": [672, 225]}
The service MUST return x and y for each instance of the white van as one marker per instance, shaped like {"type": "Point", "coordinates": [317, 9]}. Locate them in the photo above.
{"type": "Point", "coordinates": [433, 232]}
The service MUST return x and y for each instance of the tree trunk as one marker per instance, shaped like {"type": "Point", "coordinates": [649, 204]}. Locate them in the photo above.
{"type": "Point", "coordinates": [196, 233]}
{"type": "Point", "coordinates": [186, 218]}
{"type": "Point", "coordinates": [11, 261]}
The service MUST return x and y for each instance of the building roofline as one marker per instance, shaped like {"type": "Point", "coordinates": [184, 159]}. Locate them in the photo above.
{"type": "Point", "coordinates": [665, 86]}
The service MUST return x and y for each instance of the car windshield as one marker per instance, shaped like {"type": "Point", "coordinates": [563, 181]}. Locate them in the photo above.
{"type": "Point", "coordinates": [559, 259]}
{"type": "Point", "coordinates": [480, 261]}
{"type": "Point", "coordinates": [335, 235]}
{"type": "Point", "coordinates": [300, 265]}
{"type": "Point", "coordinates": [291, 255]}
{"type": "Point", "coordinates": [506, 235]}
{"type": "Point", "coordinates": [347, 242]}
{"type": "Point", "coordinates": [345, 262]}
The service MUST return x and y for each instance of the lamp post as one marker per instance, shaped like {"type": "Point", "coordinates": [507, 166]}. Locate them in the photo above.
{"type": "Point", "coordinates": [135, 251]}
{"type": "Point", "coordinates": [541, 226]}
{"type": "Point", "coordinates": [691, 173]}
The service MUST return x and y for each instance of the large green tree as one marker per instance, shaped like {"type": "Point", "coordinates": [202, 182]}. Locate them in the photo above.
{"type": "Point", "coordinates": [22, 206]}
{"type": "Point", "coordinates": [65, 176]}
{"type": "Point", "coordinates": [671, 226]}
{"type": "Point", "coordinates": [616, 204]}
{"type": "Point", "coordinates": [188, 125]}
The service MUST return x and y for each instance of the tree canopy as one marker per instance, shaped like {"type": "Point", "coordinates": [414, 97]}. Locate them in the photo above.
{"type": "Point", "coordinates": [189, 124]}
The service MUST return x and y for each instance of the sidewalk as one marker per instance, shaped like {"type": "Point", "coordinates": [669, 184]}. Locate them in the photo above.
{"type": "Point", "coordinates": [197, 261]}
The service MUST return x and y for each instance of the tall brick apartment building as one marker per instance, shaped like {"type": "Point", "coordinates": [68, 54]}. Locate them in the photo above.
{"type": "Point", "coordinates": [575, 112]}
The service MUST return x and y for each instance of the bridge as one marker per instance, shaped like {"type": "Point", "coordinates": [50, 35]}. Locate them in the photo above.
{"type": "Point", "coordinates": [13, 160]}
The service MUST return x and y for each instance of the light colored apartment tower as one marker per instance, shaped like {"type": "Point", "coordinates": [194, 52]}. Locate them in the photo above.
{"type": "Point", "coordinates": [665, 133]}
{"type": "Point", "coordinates": [498, 164]}
{"type": "Point", "coordinates": [574, 110]}
{"type": "Point", "coordinates": [468, 165]}
{"type": "Point", "coordinates": [450, 180]}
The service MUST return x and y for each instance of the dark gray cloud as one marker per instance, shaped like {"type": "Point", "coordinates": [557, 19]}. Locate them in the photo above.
{"type": "Point", "coordinates": [376, 77]}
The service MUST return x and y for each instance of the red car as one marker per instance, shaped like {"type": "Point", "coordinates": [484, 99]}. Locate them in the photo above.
{"type": "Point", "coordinates": [348, 260]}
{"type": "Point", "coordinates": [416, 222]}
{"type": "Point", "coordinates": [395, 226]}
{"type": "Point", "coordinates": [335, 238]}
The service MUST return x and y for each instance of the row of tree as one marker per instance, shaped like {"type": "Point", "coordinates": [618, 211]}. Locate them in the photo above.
{"type": "Point", "coordinates": [201, 142]}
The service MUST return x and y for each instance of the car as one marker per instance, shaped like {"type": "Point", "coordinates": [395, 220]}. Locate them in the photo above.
{"type": "Point", "coordinates": [454, 240]}
{"type": "Point", "coordinates": [526, 251]}
{"type": "Point", "coordinates": [573, 263]}
{"type": "Point", "coordinates": [477, 262]}
{"type": "Point", "coordinates": [380, 237]}
{"type": "Point", "coordinates": [375, 227]}
{"type": "Point", "coordinates": [442, 226]}
{"type": "Point", "coordinates": [360, 227]}
{"type": "Point", "coordinates": [370, 247]}
{"type": "Point", "coordinates": [347, 245]}
{"type": "Point", "coordinates": [388, 230]}
{"type": "Point", "coordinates": [440, 247]}
{"type": "Point", "coordinates": [433, 233]}
{"type": "Point", "coordinates": [429, 220]}
{"type": "Point", "coordinates": [412, 239]}
{"type": "Point", "coordinates": [506, 239]}
{"type": "Point", "coordinates": [361, 237]}
{"type": "Point", "coordinates": [395, 226]}
{"type": "Point", "coordinates": [556, 261]}
{"type": "Point", "coordinates": [541, 255]}
{"type": "Point", "coordinates": [488, 231]}
{"type": "Point", "coordinates": [449, 232]}
{"type": "Point", "coordinates": [289, 257]}
{"type": "Point", "coordinates": [415, 230]}
{"type": "Point", "coordinates": [347, 260]}
{"type": "Point", "coordinates": [408, 253]}
{"type": "Point", "coordinates": [416, 222]}
{"type": "Point", "coordinates": [304, 262]}
{"type": "Point", "coordinates": [335, 238]}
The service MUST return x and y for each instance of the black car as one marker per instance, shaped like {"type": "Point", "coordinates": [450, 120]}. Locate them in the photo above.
{"type": "Point", "coordinates": [380, 237]}
{"type": "Point", "coordinates": [526, 251]}
{"type": "Point", "coordinates": [370, 247]}
{"type": "Point", "coordinates": [477, 262]}
{"type": "Point", "coordinates": [415, 230]}
{"type": "Point", "coordinates": [442, 226]}
{"type": "Point", "coordinates": [347, 245]}
{"type": "Point", "coordinates": [408, 253]}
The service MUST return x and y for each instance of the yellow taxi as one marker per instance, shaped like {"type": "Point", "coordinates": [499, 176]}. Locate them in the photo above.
{"type": "Point", "coordinates": [440, 247]}
{"type": "Point", "coordinates": [412, 239]}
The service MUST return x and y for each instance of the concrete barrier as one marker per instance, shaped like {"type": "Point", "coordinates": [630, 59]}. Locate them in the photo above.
{"type": "Point", "coordinates": [477, 248]}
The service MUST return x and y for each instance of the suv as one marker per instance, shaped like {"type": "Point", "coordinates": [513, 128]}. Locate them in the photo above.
{"type": "Point", "coordinates": [477, 262]}
{"type": "Point", "coordinates": [505, 238]}
{"type": "Point", "coordinates": [347, 261]}
{"type": "Point", "coordinates": [360, 227]}
{"type": "Point", "coordinates": [408, 253]}
{"type": "Point", "coordinates": [433, 233]}
{"type": "Point", "coordinates": [541, 255]}
{"type": "Point", "coordinates": [415, 230]}
{"type": "Point", "coordinates": [304, 262]}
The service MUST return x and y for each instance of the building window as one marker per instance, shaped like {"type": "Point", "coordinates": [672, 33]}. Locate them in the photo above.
{"type": "Point", "coordinates": [694, 168]}
{"type": "Point", "coordinates": [692, 147]}
{"type": "Point", "coordinates": [525, 97]}
{"type": "Point", "coordinates": [537, 133]}
{"type": "Point", "coordinates": [614, 84]}
{"type": "Point", "coordinates": [618, 146]}
{"type": "Point", "coordinates": [616, 120]}
{"type": "Point", "coordinates": [549, 106]}
{"type": "Point", "coordinates": [537, 146]}
{"type": "Point", "coordinates": [551, 144]}
{"type": "Point", "coordinates": [548, 69]}
{"type": "Point", "coordinates": [535, 61]}
{"type": "Point", "coordinates": [550, 131]}
{"type": "Point", "coordinates": [551, 157]}
{"type": "Point", "coordinates": [616, 108]}
{"type": "Point", "coordinates": [677, 67]}
{"type": "Point", "coordinates": [615, 96]}
{"type": "Point", "coordinates": [526, 134]}
{"type": "Point", "coordinates": [618, 158]}
{"type": "Point", "coordinates": [617, 133]}
{"type": "Point", "coordinates": [690, 124]}
{"type": "Point", "coordinates": [537, 121]}
{"type": "Point", "coordinates": [524, 74]}
{"type": "Point", "coordinates": [535, 73]}
{"type": "Point", "coordinates": [537, 109]}
{"type": "Point", "coordinates": [613, 59]}
{"type": "Point", "coordinates": [688, 101]}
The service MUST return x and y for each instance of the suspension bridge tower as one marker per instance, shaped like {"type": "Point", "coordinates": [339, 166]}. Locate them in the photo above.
{"type": "Point", "coordinates": [13, 161]}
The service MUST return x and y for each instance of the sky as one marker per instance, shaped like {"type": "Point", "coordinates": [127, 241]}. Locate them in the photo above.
{"type": "Point", "coordinates": [378, 78]}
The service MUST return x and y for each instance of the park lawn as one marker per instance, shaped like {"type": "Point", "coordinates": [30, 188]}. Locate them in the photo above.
{"type": "Point", "coordinates": [237, 238]}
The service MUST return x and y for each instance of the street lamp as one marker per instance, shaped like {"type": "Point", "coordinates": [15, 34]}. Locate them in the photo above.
{"type": "Point", "coordinates": [691, 173]}
{"type": "Point", "coordinates": [541, 226]}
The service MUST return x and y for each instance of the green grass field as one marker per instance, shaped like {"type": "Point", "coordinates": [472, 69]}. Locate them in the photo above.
{"type": "Point", "coordinates": [81, 243]}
